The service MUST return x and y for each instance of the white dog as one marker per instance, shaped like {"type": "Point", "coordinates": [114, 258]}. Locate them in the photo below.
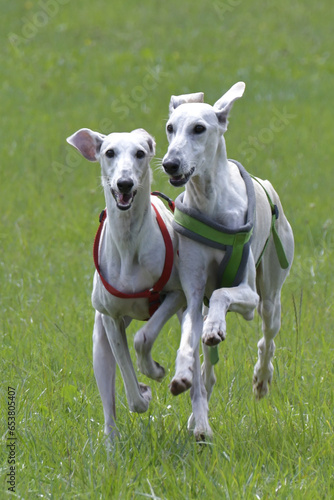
{"type": "Point", "coordinates": [134, 255]}
{"type": "Point", "coordinates": [221, 201]}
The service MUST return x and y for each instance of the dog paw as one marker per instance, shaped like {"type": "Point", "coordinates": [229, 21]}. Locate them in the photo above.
{"type": "Point", "coordinates": [202, 433]}
{"type": "Point", "coordinates": [261, 381]}
{"type": "Point", "coordinates": [177, 386]}
{"type": "Point", "coordinates": [158, 372]}
{"type": "Point", "coordinates": [145, 392]}
{"type": "Point", "coordinates": [141, 404]}
{"type": "Point", "coordinates": [201, 430]}
{"type": "Point", "coordinates": [151, 369]}
{"type": "Point", "coordinates": [213, 332]}
{"type": "Point", "coordinates": [111, 431]}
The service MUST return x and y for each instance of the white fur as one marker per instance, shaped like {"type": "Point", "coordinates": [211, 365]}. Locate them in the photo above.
{"type": "Point", "coordinates": [213, 186]}
{"type": "Point", "coordinates": [132, 254]}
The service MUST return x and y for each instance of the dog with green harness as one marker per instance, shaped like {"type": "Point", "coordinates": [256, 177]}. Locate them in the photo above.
{"type": "Point", "coordinates": [236, 246]}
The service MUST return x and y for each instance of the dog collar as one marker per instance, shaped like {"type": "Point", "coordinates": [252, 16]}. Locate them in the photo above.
{"type": "Point", "coordinates": [152, 294]}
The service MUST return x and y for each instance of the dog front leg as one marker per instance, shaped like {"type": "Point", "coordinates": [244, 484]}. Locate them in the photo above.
{"type": "Point", "coordinates": [208, 373]}
{"type": "Point", "coordinates": [138, 395]}
{"type": "Point", "coordinates": [192, 324]}
{"type": "Point", "coordinates": [241, 299]}
{"type": "Point", "coordinates": [198, 422]}
{"type": "Point", "coordinates": [146, 336]}
{"type": "Point", "coordinates": [193, 275]}
{"type": "Point", "coordinates": [104, 365]}
{"type": "Point", "coordinates": [209, 380]}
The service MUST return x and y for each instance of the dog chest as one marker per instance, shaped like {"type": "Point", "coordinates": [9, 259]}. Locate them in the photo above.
{"type": "Point", "coordinates": [116, 307]}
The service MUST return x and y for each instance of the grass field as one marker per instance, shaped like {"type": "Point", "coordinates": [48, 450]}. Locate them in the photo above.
{"type": "Point", "coordinates": [113, 66]}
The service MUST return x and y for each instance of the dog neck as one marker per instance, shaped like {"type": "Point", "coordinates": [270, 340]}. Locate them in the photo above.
{"type": "Point", "coordinates": [125, 229]}
{"type": "Point", "coordinates": [207, 192]}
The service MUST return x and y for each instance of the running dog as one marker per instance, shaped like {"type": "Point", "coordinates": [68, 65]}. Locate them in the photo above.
{"type": "Point", "coordinates": [136, 272]}
{"type": "Point", "coordinates": [220, 194]}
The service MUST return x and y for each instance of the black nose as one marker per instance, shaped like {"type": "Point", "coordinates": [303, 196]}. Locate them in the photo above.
{"type": "Point", "coordinates": [124, 185]}
{"type": "Point", "coordinates": [171, 166]}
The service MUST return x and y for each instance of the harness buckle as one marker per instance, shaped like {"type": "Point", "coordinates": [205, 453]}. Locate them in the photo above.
{"type": "Point", "coordinates": [274, 211]}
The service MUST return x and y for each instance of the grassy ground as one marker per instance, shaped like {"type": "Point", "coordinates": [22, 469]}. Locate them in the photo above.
{"type": "Point", "coordinates": [67, 65]}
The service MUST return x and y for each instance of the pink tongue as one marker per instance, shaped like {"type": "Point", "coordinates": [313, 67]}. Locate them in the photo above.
{"type": "Point", "coordinates": [124, 198]}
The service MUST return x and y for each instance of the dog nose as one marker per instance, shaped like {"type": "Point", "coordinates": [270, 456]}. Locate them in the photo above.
{"type": "Point", "coordinates": [171, 166]}
{"type": "Point", "coordinates": [124, 185]}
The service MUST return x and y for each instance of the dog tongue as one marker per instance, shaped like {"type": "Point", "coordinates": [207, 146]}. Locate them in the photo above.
{"type": "Point", "coordinates": [124, 199]}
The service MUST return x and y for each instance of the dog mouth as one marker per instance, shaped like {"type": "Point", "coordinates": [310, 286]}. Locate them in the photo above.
{"type": "Point", "coordinates": [181, 180]}
{"type": "Point", "coordinates": [123, 200]}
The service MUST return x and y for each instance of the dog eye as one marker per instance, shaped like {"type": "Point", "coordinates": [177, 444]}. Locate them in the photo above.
{"type": "Point", "coordinates": [170, 128]}
{"type": "Point", "coordinates": [140, 154]}
{"type": "Point", "coordinates": [110, 153]}
{"type": "Point", "coordinates": [199, 129]}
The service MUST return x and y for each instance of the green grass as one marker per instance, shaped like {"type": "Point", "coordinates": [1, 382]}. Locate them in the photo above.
{"type": "Point", "coordinates": [113, 67]}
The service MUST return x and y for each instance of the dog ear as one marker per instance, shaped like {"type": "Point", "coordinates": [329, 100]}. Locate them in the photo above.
{"type": "Point", "coordinates": [87, 142]}
{"type": "Point", "coordinates": [177, 100]}
{"type": "Point", "coordinates": [148, 137]}
{"type": "Point", "coordinates": [224, 105]}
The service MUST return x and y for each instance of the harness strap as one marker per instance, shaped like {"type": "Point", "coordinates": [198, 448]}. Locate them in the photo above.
{"type": "Point", "coordinates": [282, 258]}
{"type": "Point", "coordinates": [152, 294]}
{"type": "Point", "coordinates": [233, 244]}
{"type": "Point", "coordinates": [166, 198]}
{"type": "Point", "coordinates": [213, 237]}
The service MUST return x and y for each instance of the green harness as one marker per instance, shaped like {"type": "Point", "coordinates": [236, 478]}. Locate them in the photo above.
{"type": "Point", "coordinates": [282, 258]}
{"type": "Point", "coordinates": [235, 243]}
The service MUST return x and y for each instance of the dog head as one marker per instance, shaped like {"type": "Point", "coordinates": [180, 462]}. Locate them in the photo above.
{"type": "Point", "coordinates": [124, 159]}
{"type": "Point", "coordinates": [194, 132]}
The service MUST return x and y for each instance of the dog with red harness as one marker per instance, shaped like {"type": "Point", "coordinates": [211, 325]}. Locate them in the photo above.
{"type": "Point", "coordinates": [136, 276]}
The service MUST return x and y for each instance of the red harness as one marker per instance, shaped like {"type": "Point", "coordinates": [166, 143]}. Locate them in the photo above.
{"type": "Point", "coordinates": [152, 294]}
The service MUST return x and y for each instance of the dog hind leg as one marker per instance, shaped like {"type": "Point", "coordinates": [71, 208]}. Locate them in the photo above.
{"type": "Point", "coordinates": [146, 336]}
{"type": "Point", "coordinates": [208, 373]}
{"type": "Point", "coordinates": [269, 280]}
{"type": "Point", "coordinates": [270, 311]}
